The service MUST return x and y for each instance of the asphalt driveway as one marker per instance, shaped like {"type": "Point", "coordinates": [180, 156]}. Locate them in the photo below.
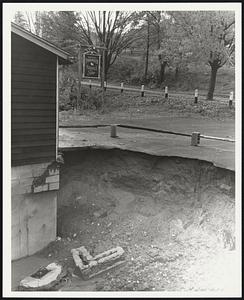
{"type": "Point", "coordinates": [220, 153]}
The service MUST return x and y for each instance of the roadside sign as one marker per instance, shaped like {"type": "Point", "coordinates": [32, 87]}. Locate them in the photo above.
{"type": "Point", "coordinates": [91, 65]}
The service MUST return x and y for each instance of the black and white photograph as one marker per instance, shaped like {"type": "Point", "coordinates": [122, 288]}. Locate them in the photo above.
{"type": "Point", "coordinates": [122, 150]}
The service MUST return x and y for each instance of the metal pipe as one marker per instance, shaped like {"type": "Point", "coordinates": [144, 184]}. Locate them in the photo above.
{"type": "Point", "coordinates": [153, 130]}
{"type": "Point", "coordinates": [148, 129]}
{"type": "Point", "coordinates": [217, 138]}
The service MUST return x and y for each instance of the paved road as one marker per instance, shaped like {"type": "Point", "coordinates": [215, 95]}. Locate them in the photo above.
{"type": "Point", "coordinates": [220, 153]}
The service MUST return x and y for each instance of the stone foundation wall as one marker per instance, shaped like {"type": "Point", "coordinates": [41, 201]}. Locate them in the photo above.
{"type": "Point", "coordinates": [33, 207]}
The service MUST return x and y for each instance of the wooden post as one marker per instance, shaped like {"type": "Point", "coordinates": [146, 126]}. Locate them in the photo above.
{"type": "Point", "coordinates": [103, 77]}
{"type": "Point", "coordinates": [231, 98]}
{"type": "Point", "coordinates": [196, 96]}
{"type": "Point", "coordinates": [166, 92]}
{"type": "Point", "coordinates": [121, 87]}
{"type": "Point", "coordinates": [79, 79]}
{"type": "Point", "coordinates": [113, 132]}
{"type": "Point", "coordinates": [142, 90]}
{"type": "Point", "coordinates": [195, 138]}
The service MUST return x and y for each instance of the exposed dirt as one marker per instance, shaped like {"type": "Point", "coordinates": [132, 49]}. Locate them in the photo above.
{"type": "Point", "coordinates": [174, 218]}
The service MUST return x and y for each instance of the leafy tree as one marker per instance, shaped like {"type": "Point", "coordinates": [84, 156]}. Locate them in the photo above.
{"type": "Point", "coordinates": [61, 28]}
{"type": "Point", "coordinates": [19, 19]}
{"type": "Point", "coordinates": [34, 22]}
{"type": "Point", "coordinates": [159, 23]}
{"type": "Point", "coordinates": [212, 38]}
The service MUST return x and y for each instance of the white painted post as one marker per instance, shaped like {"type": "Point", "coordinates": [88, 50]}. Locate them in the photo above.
{"type": "Point", "coordinates": [196, 95]}
{"type": "Point", "coordinates": [231, 98]}
{"type": "Point", "coordinates": [142, 90]}
{"type": "Point", "coordinates": [166, 92]}
{"type": "Point", "coordinates": [122, 87]}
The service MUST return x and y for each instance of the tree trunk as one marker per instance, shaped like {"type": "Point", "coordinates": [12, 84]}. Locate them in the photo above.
{"type": "Point", "coordinates": [106, 67]}
{"type": "Point", "coordinates": [176, 73]}
{"type": "Point", "coordinates": [212, 82]}
{"type": "Point", "coordinates": [147, 52]}
{"type": "Point", "coordinates": [162, 71]}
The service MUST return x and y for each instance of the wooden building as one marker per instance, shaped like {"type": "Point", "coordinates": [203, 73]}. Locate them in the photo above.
{"type": "Point", "coordinates": [34, 140]}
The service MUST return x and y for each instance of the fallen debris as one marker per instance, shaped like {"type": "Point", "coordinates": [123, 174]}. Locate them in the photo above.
{"type": "Point", "coordinates": [45, 278]}
{"type": "Point", "coordinates": [90, 266]}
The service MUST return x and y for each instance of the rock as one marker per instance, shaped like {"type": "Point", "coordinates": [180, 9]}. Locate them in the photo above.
{"type": "Point", "coordinates": [100, 214]}
{"type": "Point", "coordinates": [97, 214]}
{"type": "Point", "coordinates": [153, 252]}
{"type": "Point", "coordinates": [225, 187]}
{"type": "Point", "coordinates": [176, 227]}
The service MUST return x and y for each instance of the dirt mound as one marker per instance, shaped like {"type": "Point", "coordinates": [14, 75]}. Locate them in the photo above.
{"type": "Point", "coordinates": [169, 214]}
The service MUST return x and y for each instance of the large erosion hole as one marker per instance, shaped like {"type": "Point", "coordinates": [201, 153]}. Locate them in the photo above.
{"type": "Point", "coordinates": [157, 208]}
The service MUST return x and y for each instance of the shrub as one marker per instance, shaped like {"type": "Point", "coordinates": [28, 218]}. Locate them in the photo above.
{"type": "Point", "coordinates": [125, 69]}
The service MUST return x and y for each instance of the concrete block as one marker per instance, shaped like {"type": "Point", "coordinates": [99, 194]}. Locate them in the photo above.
{"type": "Point", "coordinates": [20, 189]}
{"type": "Point", "coordinates": [53, 172]}
{"type": "Point", "coordinates": [38, 213]}
{"type": "Point", "coordinates": [89, 266]}
{"type": "Point", "coordinates": [51, 179]}
{"type": "Point", "coordinates": [28, 189]}
{"type": "Point", "coordinates": [21, 171]}
{"type": "Point", "coordinates": [41, 188]}
{"type": "Point", "coordinates": [26, 181]}
{"type": "Point", "coordinates": [54, 186]}
{"type": "Point", "coordinates": [15, 182]}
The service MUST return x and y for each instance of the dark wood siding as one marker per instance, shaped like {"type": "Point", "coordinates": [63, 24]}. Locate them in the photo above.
{"type": "Point", "coordinates": [33, 103]}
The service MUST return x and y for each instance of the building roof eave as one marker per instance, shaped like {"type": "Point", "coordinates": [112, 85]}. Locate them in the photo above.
{"type": "Point", "coordinates": [63, 55]}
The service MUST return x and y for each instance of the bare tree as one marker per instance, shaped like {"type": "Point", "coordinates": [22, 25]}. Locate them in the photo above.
{"type": "Point", "coordinates": [117, 36]}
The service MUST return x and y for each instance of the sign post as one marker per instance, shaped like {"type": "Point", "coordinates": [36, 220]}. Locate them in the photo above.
{"type": "Point", "coordinates": [91, 65]}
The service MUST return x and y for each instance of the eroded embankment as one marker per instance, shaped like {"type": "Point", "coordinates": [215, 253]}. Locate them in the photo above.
{"type": "Point", "coordinates": [169, 214]}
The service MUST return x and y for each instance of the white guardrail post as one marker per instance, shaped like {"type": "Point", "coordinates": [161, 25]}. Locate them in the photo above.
{"type": "Point", "coordinates": [142, 90]}
{"type": "Point", "coordinates": [196, 96]}
{"type": "Point", "coordinates": [231, 98]}
{"type": "Point", "coordinates": [166, 92]}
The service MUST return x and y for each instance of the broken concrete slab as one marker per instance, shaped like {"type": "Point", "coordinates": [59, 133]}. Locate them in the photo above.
{"type": "Point", "coordinates": [221, 154]}
{"type": "Point", "coordinates": [43, 279]}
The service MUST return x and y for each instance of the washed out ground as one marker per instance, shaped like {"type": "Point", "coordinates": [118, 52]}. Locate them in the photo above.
{"type": "Point", "coordinates": [173, 217]}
